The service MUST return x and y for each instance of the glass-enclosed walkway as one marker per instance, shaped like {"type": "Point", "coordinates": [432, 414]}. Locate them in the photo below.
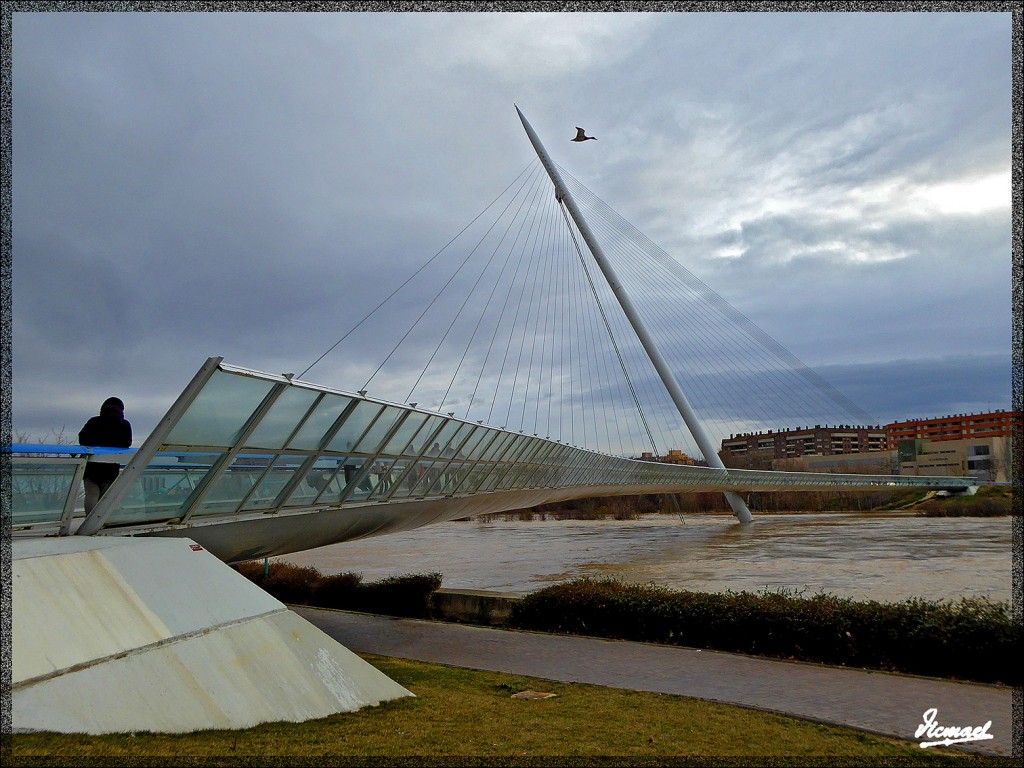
{"type": "Point", "coordinates": [241, 445]}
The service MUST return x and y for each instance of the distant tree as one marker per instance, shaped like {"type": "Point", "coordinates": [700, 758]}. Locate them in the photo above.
{"type": "Point", "coordinates": [999, 466]}
{"type": "Point", "coordinates": [53, 437]}
{"type": "Point", "coordinates": [752, 460]}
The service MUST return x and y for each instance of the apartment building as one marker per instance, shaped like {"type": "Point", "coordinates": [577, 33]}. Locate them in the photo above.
{"type": "Point", "coordinates": [956, 427]}
{"type": "Point", "coordinates": [967, 445]}
{"type": "Point", "coordinates": [807, 441]}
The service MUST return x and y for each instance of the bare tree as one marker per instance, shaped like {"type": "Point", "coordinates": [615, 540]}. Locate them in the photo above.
{"type": "Point", "coordinates": [53, 437]}
{"type": "Point", "coordinates": [999, 459]}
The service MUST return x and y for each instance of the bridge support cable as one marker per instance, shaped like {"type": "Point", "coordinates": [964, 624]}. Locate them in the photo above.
{"type": "Point", "coordinates": [543, 314]}
{"type": "Point", "coordinates": [469, 295]}
{"type": "Point", "coordinates": [588, 319]}
{"type": "Point", "coordinates": [774, 386]}
{"type": "Point", "coordinates": [512, 329]}
{"type": "Point", "coordinates": [538, 332]}
{"type": "Point", "coordinates": [707, 448]}
{"type": "Point", "coordinates": [571, 340]}
{"type": "Point", "coordinates": [541, 309]}
{"type": "Point", "coordinates": [411, 277]}
{"type": "Point", "coordinates": [721, 366]}
{"type": "Point", "coordinates": [558, 331]}
{"type": "Point", "coordinates": [531, 319]}
{"type": "Point", "coordinates": [608, 328]}
{"type": "Point", "coordinates": [558, 342]}
{"type": "Point", "coordinates": [646, 256]}
{"type": "Point", "coordinates": [601, 366]}
{"type": "Point", "coordinates": [588, 361]}
{"type": "Point", "coordinates": [501, 316]}
{"type": "Point", "coordinates": [434, 300]}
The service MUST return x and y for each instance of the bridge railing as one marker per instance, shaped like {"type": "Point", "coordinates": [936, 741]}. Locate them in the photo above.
{"type": "Point", "coordinates": [46, 482]}
{"type": "Point", "coordinates": [44, 491]}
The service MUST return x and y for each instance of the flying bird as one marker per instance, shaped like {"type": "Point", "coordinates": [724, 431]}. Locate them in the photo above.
{"type": "Point", "coordinates": [581, 135]}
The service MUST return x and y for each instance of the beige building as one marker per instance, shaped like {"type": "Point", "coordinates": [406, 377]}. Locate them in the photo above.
{"type": "Point", "coordinates": [983, 458]}
{"type": "Point", "coordinates": [866, 463]}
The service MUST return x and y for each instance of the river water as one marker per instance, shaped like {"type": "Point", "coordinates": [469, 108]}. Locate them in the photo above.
{"type": "Point", "coordinates": [886, 557]}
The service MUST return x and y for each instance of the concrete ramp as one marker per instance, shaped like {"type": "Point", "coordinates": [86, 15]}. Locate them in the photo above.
{"type": "Point", "coordinates": [114, 634]}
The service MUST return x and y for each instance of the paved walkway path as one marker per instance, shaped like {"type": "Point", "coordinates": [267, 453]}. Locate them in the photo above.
{"type": "Point", "coordinates": [891, 705]}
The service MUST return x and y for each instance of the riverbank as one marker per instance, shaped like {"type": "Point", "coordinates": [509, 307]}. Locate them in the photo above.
{"type": "Point", "coordinates": [989, 501]}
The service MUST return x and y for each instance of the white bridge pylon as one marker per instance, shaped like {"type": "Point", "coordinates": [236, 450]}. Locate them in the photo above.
{"type": "Point", "coordinates": [668, 378]}
{"type": "Point", "coordinates": [251, 464]}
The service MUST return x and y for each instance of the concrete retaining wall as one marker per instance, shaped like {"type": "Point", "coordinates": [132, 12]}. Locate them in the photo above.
{"type": "Point", "coordinates": [473, 606]}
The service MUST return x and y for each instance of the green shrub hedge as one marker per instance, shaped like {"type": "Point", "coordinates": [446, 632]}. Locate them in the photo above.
{"type": "Point", "coordinates": [970, 640]}
{"type": "Point", "coordinates": [407, 596]}
{"type": "Point", "coordinates": [970, 506]}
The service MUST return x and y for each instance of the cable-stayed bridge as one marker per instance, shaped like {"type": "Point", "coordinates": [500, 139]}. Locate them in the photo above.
{"type": "Point", "coordinates": [545, 347]}
{"type": "Point", "coordinates": [543, 352]}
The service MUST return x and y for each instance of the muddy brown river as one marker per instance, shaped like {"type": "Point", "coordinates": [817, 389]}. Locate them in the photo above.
{"type": "Point", "coordinates": [886, 557]}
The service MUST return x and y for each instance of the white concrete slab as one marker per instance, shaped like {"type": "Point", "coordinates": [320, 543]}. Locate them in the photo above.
{"type": "Point", "coordinates": [276, 668]}
{"type": "Point", "coordinates": [142, 634]}
{"type": "Point", "coordinates": [115, 594]}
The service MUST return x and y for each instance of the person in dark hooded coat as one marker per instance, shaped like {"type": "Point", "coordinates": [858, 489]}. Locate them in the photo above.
{"type": "Point", "coordinates": [108, 430]}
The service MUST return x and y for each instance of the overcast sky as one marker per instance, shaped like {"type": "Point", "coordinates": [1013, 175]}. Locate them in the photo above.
{"type": "Point", "coordinates": [247, 185]}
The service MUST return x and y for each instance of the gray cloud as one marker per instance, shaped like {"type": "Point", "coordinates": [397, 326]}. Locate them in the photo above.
{"type": "Point", "coordinates": [250, 185]}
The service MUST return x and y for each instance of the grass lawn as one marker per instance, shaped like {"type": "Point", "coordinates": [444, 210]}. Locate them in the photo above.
{"type": "Point", "coordinates": [464, 713]}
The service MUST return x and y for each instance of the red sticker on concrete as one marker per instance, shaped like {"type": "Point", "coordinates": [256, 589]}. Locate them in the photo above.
{"type": "Point", "coordinates": [195, 547]}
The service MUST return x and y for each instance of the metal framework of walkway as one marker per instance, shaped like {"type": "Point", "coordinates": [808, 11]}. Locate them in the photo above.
{"type": "Point", "coordinates": [252, 464]}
